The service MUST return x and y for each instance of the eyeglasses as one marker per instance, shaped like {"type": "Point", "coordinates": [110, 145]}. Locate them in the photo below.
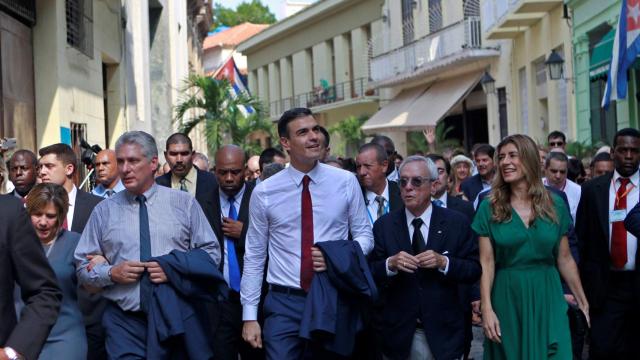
{"type": "Point", "coordinates": [415, 181]}
{"type": "Point", "coordinates": [556, 143]}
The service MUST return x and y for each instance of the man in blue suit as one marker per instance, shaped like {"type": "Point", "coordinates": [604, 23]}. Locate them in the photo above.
{"type": "Point", "coordinates": [483, 156]}
{"type": "Point", "coordinates": [421, 255]}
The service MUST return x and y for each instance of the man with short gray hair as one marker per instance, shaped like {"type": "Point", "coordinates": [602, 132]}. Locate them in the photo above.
{"type": "Point", "coordinates": [421, 253]}
{"type": "Point", "coordinates": [144, 221]}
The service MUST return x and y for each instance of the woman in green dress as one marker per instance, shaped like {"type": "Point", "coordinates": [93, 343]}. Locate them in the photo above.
{"type": "Point", "coordinates": [523, 245]}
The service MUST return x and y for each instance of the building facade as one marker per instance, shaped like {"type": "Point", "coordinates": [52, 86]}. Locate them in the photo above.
{"type": "Point", "coordinates": [17, 98]}
{"type": "Point", "coordinates": [317, 58]}
{"type": "Point", "coordinates": [594, 27]}
{"type": "Point", "coordinates": [427, 61]}
{"type": "Point", "coordinates": [528, 100]}
{"type": "Point", "coordinates": [105, 67]}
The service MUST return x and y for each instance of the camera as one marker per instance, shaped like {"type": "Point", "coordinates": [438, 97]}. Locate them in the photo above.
{"type": "Point", "coordinates": [89, 153]}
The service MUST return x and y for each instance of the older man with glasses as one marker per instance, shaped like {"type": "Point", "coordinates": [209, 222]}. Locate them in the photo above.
{"type": "Point", "coordinates": [421, 252]}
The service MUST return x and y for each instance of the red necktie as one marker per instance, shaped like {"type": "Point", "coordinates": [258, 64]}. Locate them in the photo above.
{"type": "Point", "coordinates": [65, 225]}
{"type": "Point", "coordinates": [618, 232]}
{"type": "Point", "coordinates": [306, 264]}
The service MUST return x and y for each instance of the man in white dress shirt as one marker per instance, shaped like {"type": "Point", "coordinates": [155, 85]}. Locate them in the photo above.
{"type": "Point", "coordinates": [304, 204]}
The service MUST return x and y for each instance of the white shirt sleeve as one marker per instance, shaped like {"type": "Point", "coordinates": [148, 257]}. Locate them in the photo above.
{"type": "Point", "coordinates": [359, 223]}
{"type": "Point", "coordinates": [389, 271]}
{"type": "Point", "coordinates": [255, 255]}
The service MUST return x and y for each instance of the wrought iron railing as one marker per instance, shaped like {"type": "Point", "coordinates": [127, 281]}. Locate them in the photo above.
{"type": "Point", "coordinates": [431, 48]}
{"type": "Point", "coordinates": [329, 94]}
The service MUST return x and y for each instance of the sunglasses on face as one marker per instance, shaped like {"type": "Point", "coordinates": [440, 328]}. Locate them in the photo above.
{"type": "Point", "coordinates": [415, 181]}
{"type": "Point", "coordinates": [556, 143]}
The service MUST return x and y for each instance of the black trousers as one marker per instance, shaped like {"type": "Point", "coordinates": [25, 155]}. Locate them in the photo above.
{"type": "Point", "coordinates": [226, 322]}
{"type": "Point", "coordinates": [578, 327]}
{"type": "Point", "coordinates": [614, 326]}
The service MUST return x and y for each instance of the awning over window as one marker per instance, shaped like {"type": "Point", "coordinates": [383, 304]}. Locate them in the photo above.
{"type": "Point", "coordinates": [601, 56]}
{"type": "Point", "coordinates": [417, 108]}
{"type": "Point", "coordinates": [395, 112]}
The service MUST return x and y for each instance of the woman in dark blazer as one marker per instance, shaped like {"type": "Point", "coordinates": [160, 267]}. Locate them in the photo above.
{"type": "Point", "coordinates": [47, 205]}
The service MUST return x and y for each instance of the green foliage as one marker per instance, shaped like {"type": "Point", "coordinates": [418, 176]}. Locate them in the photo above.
{"type": "Point", "coordinates": [350, 131]}
{"type": "Point", "coordinates": [582, 149]}
{"type": "Point", "coordinates": [253, 12]}
{"type": "Point", "coordinates": [208, 101]}
{"type": "Point", "coordinates": [417, 142]}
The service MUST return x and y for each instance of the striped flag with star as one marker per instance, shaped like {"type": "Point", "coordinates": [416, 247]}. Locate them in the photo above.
{"type": "Point", "coordinates": [626, 47]}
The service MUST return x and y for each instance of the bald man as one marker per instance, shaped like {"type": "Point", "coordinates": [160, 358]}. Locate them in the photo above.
{"type": "Point", "coordinates": [231, 199]}
{"type": "Point", "coordinates": [107, 176]}
{"type": "Point", "coordinates": [253, 168]}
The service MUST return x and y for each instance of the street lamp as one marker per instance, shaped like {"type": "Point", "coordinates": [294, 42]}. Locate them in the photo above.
{"type": "Point", "coordinates": [555, 65]}
{"type": "Point", "coordinates": [488, 83]}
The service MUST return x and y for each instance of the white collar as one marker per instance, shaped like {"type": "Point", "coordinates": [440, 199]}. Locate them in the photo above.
{"type": "Point", "coordinates": [425, 216]}
{"type": "Point", "coordinates": [442, 198]}
{"type": "Point", "coordinates": [371, 196]}
{"type": "Point", "coordinates": [72, 195]}
{"type": "Point", "coordinates": [635, 178]}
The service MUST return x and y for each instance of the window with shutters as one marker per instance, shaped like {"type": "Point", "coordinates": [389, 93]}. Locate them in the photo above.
{"type": "Point", "coordinates": [79, 14]}
{"type": "Point", "coordinates": [435, 15]}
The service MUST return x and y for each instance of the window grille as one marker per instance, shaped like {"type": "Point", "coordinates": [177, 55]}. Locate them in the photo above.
{"type": "Point", "coordinates": [79, 15]}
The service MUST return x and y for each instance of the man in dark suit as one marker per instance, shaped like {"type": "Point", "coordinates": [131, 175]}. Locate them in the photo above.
{"type": "Point", "coordinates": [421, 256]}
{"type": "Point", "coordinates": [23, 262]}
{"type": "Point", "coordinates": [23, 172]}
{"type": "Point", "coordinates": [439, 192]}
{"type": "Point", "coordinates": [440, 197]}
{"type": "Point", "coordinates": [390, 149]}
{"type": "Point", "coordinates": [58, 164]}
{"type": "Point", "coordinates": [231, 203]}
{"type": "Point", "coordinates": [186, 177]}
{"type": "Point", "coordinates": [380, 195]}
{"type": "Point", "coordinates": [608, 253]}
{"type": "Point", "coordinates": [483, 157]}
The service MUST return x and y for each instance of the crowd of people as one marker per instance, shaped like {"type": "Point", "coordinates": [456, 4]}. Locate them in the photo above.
{"type": "Point", "coordinates": [296, 254]}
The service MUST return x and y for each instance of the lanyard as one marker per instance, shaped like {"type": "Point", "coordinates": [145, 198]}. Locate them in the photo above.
{"type": "Point", "coordinates": [386, 211]}
{"type": "Point", "coordinates": [626, 192]}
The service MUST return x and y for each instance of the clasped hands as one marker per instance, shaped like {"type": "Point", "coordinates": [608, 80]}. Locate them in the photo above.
{"type": "Point", "coordinates": [408, 263]}
{"type": "Point", "coordinates": [128, 272]}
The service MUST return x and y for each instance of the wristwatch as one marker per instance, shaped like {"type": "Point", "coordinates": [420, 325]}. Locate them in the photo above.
{"type": "Point", "coordinates": [11, 354]}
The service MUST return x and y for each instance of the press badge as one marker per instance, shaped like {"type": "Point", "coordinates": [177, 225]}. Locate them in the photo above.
{"type": "Point", "coordinates": [617, 215]}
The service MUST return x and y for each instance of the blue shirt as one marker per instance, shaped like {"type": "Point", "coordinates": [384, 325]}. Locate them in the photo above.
{"type": "Point", "coordinates": [176, 222]}
{"type": "Point", "coordinates": [101, 191]}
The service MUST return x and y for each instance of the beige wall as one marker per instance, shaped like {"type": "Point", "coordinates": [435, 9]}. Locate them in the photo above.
{"type": "Point", "coordinates": [524, 51]}
{"type": "Point", "coordinates": [69, 83]}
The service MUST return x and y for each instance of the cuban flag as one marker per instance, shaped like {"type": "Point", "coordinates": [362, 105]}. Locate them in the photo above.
{"type": "Point", "coordinates": [230, 72]}
{"type": "Point", "coordinates": [626, 47]}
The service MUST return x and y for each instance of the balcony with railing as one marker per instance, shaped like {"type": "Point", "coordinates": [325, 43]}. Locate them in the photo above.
{"type": "Point", "coordinates": [340, 94]}
{"type": "Point", "coordinates": [506, 19]}
{"type": "Point", "coordinates": [448, 46]}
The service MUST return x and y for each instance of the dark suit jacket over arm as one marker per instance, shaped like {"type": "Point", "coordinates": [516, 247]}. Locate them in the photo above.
{"type": "Point", "coordinates": [332, 313]}
{"type": "Point", "coordinates": [22, 261]}
{"type": "Point", "coordinates": [174, 311]}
